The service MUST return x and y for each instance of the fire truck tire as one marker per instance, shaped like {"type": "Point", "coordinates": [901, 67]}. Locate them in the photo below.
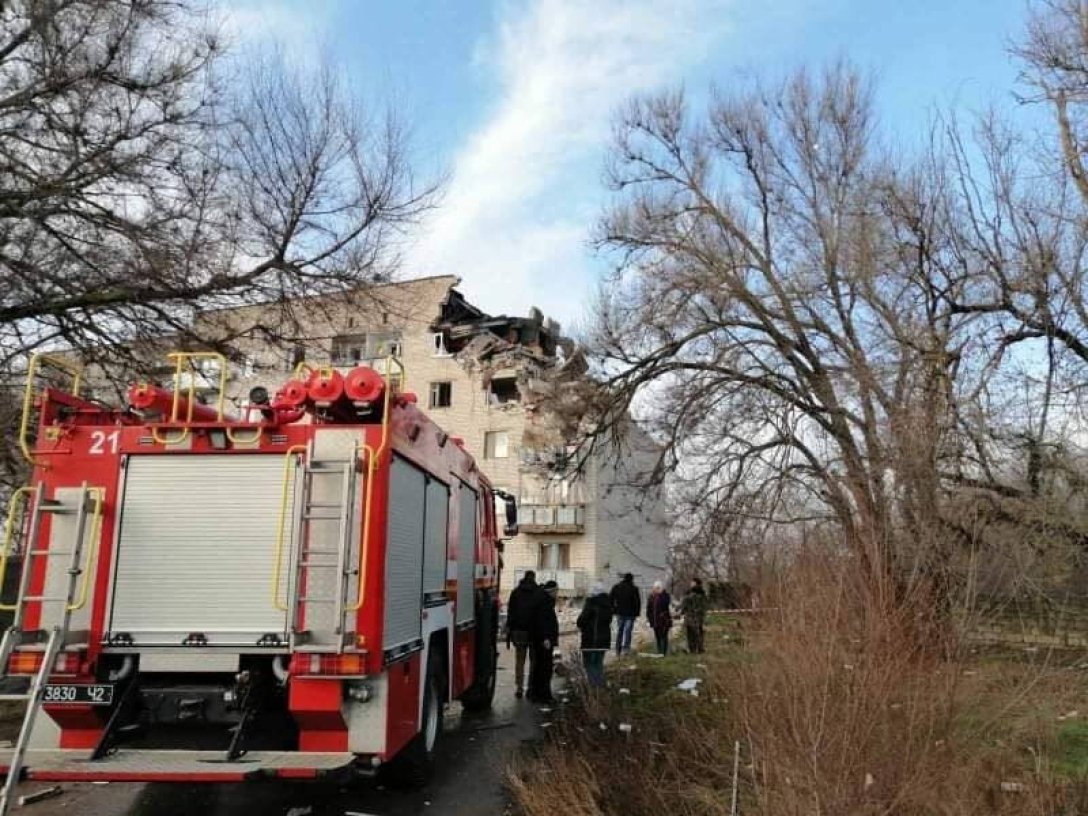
{"type": "Point", "coordinates": [482, 693]}
{"type": "Point", "coordinates": [416, 763]}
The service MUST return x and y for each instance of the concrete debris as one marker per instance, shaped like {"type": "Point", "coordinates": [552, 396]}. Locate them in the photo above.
{"type": "Point", "coordinates": [39, 796]}
{"type": "Point", "coordinates": [1013, 787]}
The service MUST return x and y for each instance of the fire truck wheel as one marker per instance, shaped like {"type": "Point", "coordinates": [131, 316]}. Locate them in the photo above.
{"type": "Point", "coordinates": [416, 764]}
{"type": "Point", "coordinates": [480, 696]}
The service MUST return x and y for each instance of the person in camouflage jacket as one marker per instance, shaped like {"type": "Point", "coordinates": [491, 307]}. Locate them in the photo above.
{"type": "Point", "coordinates": [693, 608]}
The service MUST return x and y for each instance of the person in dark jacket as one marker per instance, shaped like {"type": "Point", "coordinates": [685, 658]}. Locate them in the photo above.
{"type": "Point", "coordinates": [595, 623]}
{"type": "Point", "coordinates": [519, 611]}
{"type": "Point", "coordinates": [659, 614]}
{"type": "Point", "coordinates": [693, 608]}
{"type": "Point", "coordinates": [626, 603]}
{"type": "Point", "coordinates": [543, 637]}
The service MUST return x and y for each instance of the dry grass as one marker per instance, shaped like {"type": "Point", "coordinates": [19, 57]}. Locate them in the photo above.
{"type": "Point", "coordinates": [841, 708]}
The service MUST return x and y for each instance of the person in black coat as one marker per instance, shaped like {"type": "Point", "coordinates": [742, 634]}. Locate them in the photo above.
{"type": "Point", "coordinates": [519, 611]}
{"type": "Point", "coordinates": [544, 637]}
{"type": "Point", "coordinates": [659, 614]}
{"type": "Point", "coordinates": [626, 603]}
{"type": "Point", "coordinates": [595, 623]}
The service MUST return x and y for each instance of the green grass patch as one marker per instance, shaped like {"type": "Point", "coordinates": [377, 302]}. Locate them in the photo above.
{"type": "Point", "coordinates": [1071, 755]}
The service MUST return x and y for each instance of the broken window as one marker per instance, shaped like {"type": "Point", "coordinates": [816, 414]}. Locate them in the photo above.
{"type": "Point", "coordinates": [353, 349]}
{"type": "Point", "coordinates": [554, 555]}
{"type": "Point", "coordinates": [441, 394]}
{"type": "Point", "coordinates": [496, 445]}
{"type": "Point", "coordinates": [503, 390]}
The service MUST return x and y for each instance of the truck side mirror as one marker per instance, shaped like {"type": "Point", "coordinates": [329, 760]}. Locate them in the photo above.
{"type": "Point", "coordinates": [511, 528]}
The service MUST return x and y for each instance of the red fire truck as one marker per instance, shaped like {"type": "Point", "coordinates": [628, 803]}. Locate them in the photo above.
{"type": "Point", "coordinates": [290, 593]}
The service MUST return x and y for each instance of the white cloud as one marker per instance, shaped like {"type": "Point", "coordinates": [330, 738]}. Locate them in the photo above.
{"type": "Point", "coordinates": [296, 26]}
{"type": "Point", "coordinates": [526, 186]}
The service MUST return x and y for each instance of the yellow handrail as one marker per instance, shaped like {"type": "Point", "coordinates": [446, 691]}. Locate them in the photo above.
{"type": "Point", "coordinates": [246, 441]}
{"type": "Point", "coordinates": [180, 358]}
{"type": "Point", "coordinates": [371, 459]}
{"type": "Point", "coordinates": [374, 457]}
{"type": "Point", "coordinates": [9, 530]}
{"type": "Point", "coordinates": [165, 440]}
{"type": "Point", "coordinates": [36, 362]}
{"type": "Point", "coordinates": [288, 462]}
{"type": "Point", "coordinates": [96, 534]}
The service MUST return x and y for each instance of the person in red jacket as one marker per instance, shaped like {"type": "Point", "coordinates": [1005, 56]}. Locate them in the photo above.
{"type": "Point", "coordinates": [659, 614]}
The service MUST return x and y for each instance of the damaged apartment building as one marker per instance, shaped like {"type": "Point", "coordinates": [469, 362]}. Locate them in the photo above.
{"type": "Point", "coordinates": [491, 381]}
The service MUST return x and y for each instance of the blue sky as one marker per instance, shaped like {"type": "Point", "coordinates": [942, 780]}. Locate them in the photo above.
{"type": "Point", "coordinates": [513, 99]}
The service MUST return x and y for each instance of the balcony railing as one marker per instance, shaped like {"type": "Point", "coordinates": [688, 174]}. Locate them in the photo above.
{"type": "Point", "coordinates": [571, 582]}
{"type": "Point", "coordinates": [560, 519]}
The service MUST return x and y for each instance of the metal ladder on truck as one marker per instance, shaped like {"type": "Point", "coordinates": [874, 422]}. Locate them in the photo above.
{"type": "Point", "coordinates": [339, 478]}
{"type": "Point", "coordinates": [87, 503]}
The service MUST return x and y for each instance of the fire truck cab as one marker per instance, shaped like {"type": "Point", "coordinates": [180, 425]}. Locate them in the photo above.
{"type": "Point", "coordinates": [293, 592]}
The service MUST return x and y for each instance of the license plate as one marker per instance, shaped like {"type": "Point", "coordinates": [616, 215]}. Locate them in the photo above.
{"type": "Point", "coordinates": [69, 694]}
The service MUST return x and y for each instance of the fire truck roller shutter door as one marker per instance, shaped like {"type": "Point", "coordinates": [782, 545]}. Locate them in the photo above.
{"type": "Point", "coordinates": [195, 549]}
{"type": "Point", "coordinates": [466, 554]}
{"type": "Point", "coordinates": [437, 527]}
{"type": "Point", "coordinates": [404, 554]}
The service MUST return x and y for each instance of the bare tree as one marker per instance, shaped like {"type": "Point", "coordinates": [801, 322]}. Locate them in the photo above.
{"type": "Point", "coordinates": [783, 312]}
{"type": "Point", "coordinates": [142, 178]}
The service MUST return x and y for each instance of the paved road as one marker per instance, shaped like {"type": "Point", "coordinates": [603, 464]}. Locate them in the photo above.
{"type": "Point", "coordinates": [469, 782]}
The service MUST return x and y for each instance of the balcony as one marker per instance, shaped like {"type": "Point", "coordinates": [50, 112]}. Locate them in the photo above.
{"type": "Point", "coordinates": [552, 519]}
{"type": "Point", "coordinates": [572, 583]}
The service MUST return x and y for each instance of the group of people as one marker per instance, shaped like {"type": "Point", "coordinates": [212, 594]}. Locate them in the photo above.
{"type": "Point", "coordinates": [532, 627]}
{"type": "Point", "coordinates": [626, 604]}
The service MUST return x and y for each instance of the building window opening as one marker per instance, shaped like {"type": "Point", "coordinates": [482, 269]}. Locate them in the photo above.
{"type": "Point", "coordinates": [496, 445]}
{"type": "Point", "coordinates": [298, 354]}
{"type": "Point", "coordinates": [441, 394]}
{"type": "Point", "coordinates": [503, 390]}
{"type": "Point", "coordinates": [554, 555]}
